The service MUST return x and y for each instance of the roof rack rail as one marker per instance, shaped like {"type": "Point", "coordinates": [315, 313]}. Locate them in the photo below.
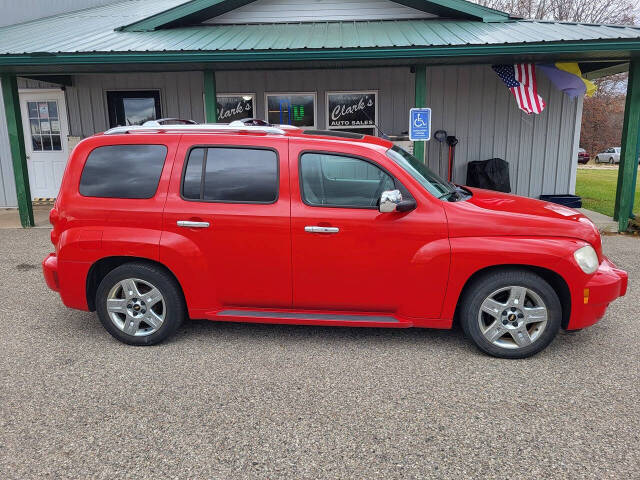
{"type": "Point", "coordinates": [212, 127]}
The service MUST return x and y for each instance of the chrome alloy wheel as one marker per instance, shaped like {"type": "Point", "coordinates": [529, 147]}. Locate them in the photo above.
{"type": "Point", "coordinates": [136, 307]}
{"type": "Point", "coordinates": [512, 317]}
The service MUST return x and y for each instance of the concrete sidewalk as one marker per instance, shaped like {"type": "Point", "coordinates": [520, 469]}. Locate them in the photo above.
{"type": "Point", "coordinates": [604, 223]}
{"type": "Point", "coordinates": [9, 217]}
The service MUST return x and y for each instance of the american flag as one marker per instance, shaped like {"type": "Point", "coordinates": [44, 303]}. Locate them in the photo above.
{"type": "Point", "coordinates": [521, 80]}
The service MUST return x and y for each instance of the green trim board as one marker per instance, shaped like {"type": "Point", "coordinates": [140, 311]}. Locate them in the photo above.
{"type": "Point", "coordinates": [628, 169]}
{"type": "Point", "coordinates": [457, 9]}
{"type": "Point", "coordinates": [197, 11]}
{"type": "Point", "coordinates": [191, 12]}
{"type": "Point", "coordinates": [613, 48]}
{"type": "Point", "coordinates": [420, 102]}
{"type": "Point", "coordinates": [210, 104]}
{"type": "Point", "coordinates": [16, 144]}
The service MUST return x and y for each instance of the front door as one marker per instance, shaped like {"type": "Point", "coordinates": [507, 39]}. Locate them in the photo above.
{"type": "Point", "coordinates": [346, 255]}
{"type": "Point", "coordinates": [44, 121]}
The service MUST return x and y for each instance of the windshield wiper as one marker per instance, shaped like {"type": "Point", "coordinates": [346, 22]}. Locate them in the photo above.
{"type": "Point", "coordinates": [448, 194]}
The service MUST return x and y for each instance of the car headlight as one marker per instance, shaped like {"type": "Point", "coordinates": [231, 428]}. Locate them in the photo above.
{"type": "Point", "coordinates": [587, 258]}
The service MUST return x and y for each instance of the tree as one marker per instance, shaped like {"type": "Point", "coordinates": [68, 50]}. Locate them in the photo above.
{"type": "Point", "coordinates": [619, 12]}
{"type": "Point", "coordinates": [602, 115]}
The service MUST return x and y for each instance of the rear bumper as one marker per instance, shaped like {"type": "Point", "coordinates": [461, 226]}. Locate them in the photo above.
{"type": "Point", "coordinates": [607, 284]}
{"type": "Point", "coordinates": [50, 272]}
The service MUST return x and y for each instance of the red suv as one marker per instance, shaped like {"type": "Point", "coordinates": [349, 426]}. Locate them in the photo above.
{"type": "Point", "coordinates": [279, 225]}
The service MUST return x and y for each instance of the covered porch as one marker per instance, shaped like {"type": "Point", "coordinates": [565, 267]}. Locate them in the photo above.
{"type": "Point", "coordinates": [192, 60]}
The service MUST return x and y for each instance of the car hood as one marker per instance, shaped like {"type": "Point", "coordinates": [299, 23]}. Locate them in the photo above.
{"type": "Point", "coordinates": [489, 213]}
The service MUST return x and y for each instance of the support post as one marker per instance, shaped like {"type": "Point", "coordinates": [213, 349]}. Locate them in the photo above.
{"type": "Point", "coordinates": [628, 168]}
{"type": "Point", "coordinates": [210, 104]}
{"type": "Point", "coordinates": [16, 144]}
{"type": "Point", "coordinates": [420, 102]}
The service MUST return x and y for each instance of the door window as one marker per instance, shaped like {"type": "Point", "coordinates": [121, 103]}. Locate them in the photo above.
{"type": "Point", "coordinates": [44, 126]}
{"type": "Point", "coordinates": [331, 180]}
{"type": "Point", "coordinates": [231, 175]}
{"type": "Point", "coordinates": [133, 107]}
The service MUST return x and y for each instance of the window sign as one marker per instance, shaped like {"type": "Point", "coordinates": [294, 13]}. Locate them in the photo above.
{"type": "Point", "coordinates": [353, 111]}
{"type": "Point", "coordinates": [233, 106]}
{"type": "Point", "coordinates": [298, 109]}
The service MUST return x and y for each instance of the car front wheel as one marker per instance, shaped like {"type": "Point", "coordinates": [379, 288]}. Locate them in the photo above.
{"type": "Point", "coordinates": [511, 313]}
{"type": "Point", "coordinates": [140, 304]}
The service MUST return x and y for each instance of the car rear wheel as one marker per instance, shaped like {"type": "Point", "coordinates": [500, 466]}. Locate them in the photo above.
{"type": "Point", "coordinates": [511, 313]}
{"type": "Point", "coordinates": [140, 304]}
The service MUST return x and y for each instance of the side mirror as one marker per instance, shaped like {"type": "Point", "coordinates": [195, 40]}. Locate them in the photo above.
{"type": "Point", "coordinates": [391, 201]}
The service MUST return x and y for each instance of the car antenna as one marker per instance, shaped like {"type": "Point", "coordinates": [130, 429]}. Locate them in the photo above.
{"type": "Point", "coordinates": [384, 135]}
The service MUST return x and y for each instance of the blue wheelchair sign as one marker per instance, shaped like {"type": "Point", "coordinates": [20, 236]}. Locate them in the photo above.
{"type": "Point", "coordinates": [420, 124]}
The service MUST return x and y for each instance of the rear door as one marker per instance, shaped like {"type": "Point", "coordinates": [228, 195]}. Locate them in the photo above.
{"type": "Point", "coordinates": [227, 222]}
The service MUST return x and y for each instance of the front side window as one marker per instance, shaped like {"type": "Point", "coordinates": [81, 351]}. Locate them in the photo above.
{"type": "Point", "coordinates": [123, 171]}
{"type": "Point", "coordinates": [231, 175]}
{"type": "Point", "coordinates": [333, 180]}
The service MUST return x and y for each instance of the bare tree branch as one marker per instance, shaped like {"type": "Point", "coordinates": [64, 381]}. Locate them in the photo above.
{"type": "Point", "coordinates": [584, 11]}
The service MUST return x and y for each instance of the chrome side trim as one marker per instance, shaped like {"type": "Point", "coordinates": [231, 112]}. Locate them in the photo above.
{"type": "Point", "coordinates": [308, 316]}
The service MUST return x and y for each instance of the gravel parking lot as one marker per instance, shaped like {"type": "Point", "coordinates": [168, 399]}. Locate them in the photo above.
{"type": "Point", "coordinates": [257, 401]}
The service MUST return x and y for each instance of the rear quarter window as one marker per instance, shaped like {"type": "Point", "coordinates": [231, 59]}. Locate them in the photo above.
{"type": "Point", "coordinates": [123, 171]}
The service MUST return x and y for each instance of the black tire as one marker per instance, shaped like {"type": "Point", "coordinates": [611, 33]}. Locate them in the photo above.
{"type": "Point", "coordinates": [482, 287]}
{"type": "Point", "coordinates": [173, 308]}
{"type": "Point", "coordinates": [610, 160]}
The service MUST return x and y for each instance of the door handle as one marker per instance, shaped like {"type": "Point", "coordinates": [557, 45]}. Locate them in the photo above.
{"type": "Point", "coordinates": [190, 224]}
{"type": "Point", "coordinates": [316, 229]}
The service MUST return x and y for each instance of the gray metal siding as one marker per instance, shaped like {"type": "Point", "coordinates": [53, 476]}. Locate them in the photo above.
{"type": "Point", "coordinates": [18, 11]}
{"type": "Point", "coordinates": [469, 102]}
{"type": "Point", "coordinates": [180, 96]}
{"type": "Point", "coordinates": [395, 88]}
{"type": "Point", "coordinates": [281, 11]}
{"type": "Point", "coordinates": [7, 182]}
{"type": "Point", "coordinates": [473, 104]}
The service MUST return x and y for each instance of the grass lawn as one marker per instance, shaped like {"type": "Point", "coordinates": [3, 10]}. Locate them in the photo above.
{"type": "Point", "coordinates": [598, 190]}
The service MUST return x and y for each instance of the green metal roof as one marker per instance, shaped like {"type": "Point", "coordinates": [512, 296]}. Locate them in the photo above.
{"type": "Point", "coordinates": [90, 36]}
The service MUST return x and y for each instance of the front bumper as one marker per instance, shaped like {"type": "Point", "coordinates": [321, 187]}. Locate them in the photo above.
{"type": "Point", "coordinates": [590, 304]}
{"type": "Point", "coordinates": [50, 272]}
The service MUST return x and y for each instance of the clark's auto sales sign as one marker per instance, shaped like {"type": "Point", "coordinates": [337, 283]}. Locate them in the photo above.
{"type": "Point", "coordinates": [351, 109]}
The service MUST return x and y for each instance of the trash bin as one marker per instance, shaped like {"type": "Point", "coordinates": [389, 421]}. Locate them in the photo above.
{"type": "Point", "coordinates": [490, 174]}
{"type": "Point", "coordinates": [572, 201]}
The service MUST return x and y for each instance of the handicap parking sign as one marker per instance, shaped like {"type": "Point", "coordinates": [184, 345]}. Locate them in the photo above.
{"type": "Point", "coordinates": [420, 124]}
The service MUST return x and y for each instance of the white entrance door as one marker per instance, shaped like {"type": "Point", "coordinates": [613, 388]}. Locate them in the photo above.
{"type": "Point", "coordinates": [44, 121]}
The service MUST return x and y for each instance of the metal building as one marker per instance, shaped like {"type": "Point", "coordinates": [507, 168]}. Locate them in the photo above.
{"type": "Point", "coordinates": [70, 75]}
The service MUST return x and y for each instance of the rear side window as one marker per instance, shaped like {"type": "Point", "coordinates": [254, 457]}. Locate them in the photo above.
{"type": "Point", "coordinates": [231, 175]}
{"type": "Point", "coordinates": [123, 171]}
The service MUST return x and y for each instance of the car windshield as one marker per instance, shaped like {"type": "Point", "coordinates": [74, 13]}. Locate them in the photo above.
{"type": "Point", "coordinates": [435, 185]}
